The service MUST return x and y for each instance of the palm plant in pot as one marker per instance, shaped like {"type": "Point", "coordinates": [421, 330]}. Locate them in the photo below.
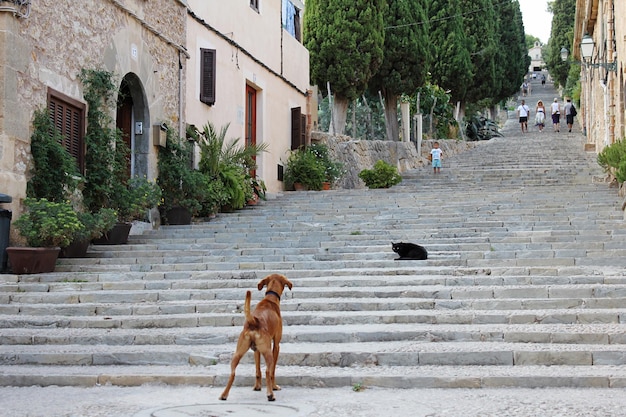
{"type": "Point", "coordinates": [229, 163]}
{"type": "Point", "coordinates": [46, 226]}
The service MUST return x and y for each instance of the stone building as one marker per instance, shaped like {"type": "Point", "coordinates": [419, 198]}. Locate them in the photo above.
{"type": "Point", "coordinates": [44, 44]}
{"type": "Point", "coordinates": [536, 58]}
{"type": "Point", "coordinates": [249, 69]}
{"type": "Point", "coordinates": [603, 87]}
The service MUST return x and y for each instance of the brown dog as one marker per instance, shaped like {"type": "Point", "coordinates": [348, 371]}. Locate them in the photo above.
{"type": "Point", "coordinates": [261, 328]}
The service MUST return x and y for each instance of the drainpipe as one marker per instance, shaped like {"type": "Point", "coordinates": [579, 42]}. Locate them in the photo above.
{"type": "Point", "coordinates": [180, 98]}
{"type": "Point", "coordinates": [610, 75]}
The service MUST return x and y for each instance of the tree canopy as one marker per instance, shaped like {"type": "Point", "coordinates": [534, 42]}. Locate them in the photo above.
{"type": "Point", "coordinates": [561, 35]}
{"type": "Point", "coordinates": [406, 57]}
{"type": "Point", "coordinates": [345, 40]}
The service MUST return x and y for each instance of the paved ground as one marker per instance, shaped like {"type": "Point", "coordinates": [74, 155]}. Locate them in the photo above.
{"type": "Point", "coordinates": [162, 401]}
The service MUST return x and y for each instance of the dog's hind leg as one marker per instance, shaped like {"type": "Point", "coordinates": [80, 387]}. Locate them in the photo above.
{"type": "Point", "coordinates": [257, 363]}
{"type": "Point", "coordinates": [269, 374]}
{"type": "Point", "coordinates": [233, 365]}
{"type": "Point", "coordinates": [275, 352]}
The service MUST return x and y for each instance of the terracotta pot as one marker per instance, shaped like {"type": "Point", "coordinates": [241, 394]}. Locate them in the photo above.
{"type": "Point", "coordinates": [76, 249]}
{"type": "Point", "coordinates": [299, 186]}
{"type": "Point", "coordinates": [325, 185]}
{"type": "Point", "coordinates": [32, 260]}
{"type": "Point", "coordinates": [118, 235]}
{"type": "Point", "coordinates": [178, 216]}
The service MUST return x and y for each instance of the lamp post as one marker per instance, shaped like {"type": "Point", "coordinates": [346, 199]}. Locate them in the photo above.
{"type": "Point", "coordinates": [587, 46]}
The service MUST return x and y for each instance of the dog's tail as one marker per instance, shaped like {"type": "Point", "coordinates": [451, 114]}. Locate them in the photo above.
{"type": "Point", "coordinates": [251, 320]}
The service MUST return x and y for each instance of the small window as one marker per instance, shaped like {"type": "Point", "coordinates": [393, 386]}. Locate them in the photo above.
{"type": "Point", "coordinates": [68, 116]}
{"type": "Point", "coordinates": [207, 76]}
{"type": "Point", "coordinates": [254, 4]}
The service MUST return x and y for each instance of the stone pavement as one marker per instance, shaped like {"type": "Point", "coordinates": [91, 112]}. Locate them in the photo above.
{"type": "Point", "coordinates": [524, 288]}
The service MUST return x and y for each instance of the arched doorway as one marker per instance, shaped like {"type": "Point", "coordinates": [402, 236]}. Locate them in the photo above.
{"type": "Point", "coordinates": [133, 120]}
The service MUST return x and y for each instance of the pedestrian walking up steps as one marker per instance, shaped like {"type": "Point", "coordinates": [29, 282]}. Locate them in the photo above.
{"type": "Point", "coordinates": [525, 286]}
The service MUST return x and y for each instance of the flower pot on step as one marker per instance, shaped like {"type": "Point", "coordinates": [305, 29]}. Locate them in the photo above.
{"type": "Point", "coordinates": [76, 249]}
{"type": "Point", "coordinates": [178, 216]}
{"type": "Point", "coordinates": [118, 235]}
{"type": "Point", "coordinates": [32, 260]}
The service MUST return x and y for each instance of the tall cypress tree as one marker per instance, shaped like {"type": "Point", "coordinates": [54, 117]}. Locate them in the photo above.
{"type": "Point", "coordinates": [406, 57]}
{"type": "Point", "coordinates": [451, 66]}
{"type": "Point", "coordinates": [345, 40]}
{"type": "Point", "coordinates": [512, 53]}
{"type": "Point", "coordinates": [480, 23]}
{"type": "Point", "coordinates": [561, 35]}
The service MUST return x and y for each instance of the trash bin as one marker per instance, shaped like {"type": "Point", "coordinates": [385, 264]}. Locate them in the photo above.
{"type": "Point", "coordinates": [5, 227]}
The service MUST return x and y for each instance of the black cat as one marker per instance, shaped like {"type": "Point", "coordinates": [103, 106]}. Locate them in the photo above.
{"type": "Point", "coordinates": [409, 251]}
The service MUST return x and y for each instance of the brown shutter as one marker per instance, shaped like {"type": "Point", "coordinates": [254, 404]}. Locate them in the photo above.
{"type": "Point", "coordinates": [297, 138]}
{"type": "Point", "coordinates": [68, 116]}
{"type": "Point", "coordinates": [207, 76]}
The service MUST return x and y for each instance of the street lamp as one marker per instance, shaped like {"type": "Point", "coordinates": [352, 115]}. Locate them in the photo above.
{"type": "Point", "coordinates": [587, 46]}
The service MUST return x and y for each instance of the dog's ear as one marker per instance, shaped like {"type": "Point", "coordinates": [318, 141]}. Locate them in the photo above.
{"type": "Point", "coordinates": [263, 283]}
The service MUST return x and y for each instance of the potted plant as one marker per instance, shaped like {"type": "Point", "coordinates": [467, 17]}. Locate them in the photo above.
{"type": "Point", "coordinates": [383, 175]}
{"type": "Point", "coordinates": [95, 225]}
{"type": "Point", "coordinates": [228, 163]}
{"type": "Point", "coordinates": [130, 201]}
{"type": "Point", "coordinates": [333, 171]}
{"type": "Point", "coordinates": [46, 226]}
{"type": "Point", "coordinates": [184, 189]}
{"type": "Point", "coordinates": [305, 168]}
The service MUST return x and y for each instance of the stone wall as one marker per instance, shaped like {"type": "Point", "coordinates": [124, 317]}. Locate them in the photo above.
{"type": "Point", "coordinates": [357, 155]}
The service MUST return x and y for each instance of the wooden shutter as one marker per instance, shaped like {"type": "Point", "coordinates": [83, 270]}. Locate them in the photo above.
{"type": "Point", "coordinates": [68, 116]}
{"type": "Point", "coordinates": [298, 128]}
{"type": "Point", "coordinates": [207, 76]}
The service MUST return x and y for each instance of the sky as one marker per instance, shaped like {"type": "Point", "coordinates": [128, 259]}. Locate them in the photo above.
{"type": "Point", "coordinates": [537, 21]}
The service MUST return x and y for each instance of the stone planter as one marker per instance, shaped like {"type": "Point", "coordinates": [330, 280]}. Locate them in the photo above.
{"type": "Point", "coordinates": [32, 260]}
{"type": "Point", "coordinates": [118, 235]}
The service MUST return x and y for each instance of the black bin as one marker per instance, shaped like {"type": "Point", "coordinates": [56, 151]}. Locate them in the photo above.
{"type": "Point", "coordinates": [5, 228]}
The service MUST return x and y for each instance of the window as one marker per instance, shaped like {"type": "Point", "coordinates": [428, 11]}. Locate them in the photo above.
{"type": "Point", "coordinates": [68, 116]}
{"type": "Point", "coordinates": [254, 4]}
{"type": "Point", "coordinates": [291, 19]}
{"type": "Point", "coordinates": [207, 76]}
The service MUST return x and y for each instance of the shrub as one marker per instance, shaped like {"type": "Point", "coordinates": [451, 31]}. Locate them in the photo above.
{"type": "Point", "coordinates": [304, 167]}
{"type": "Point", "coordinates": [47, 223]}
{"type": "Point", "coordinates": [613, 160]}
{"type": "Point", "coordinates": [383, 175]}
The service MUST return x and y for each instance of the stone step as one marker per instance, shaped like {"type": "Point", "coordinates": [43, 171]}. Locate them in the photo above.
{"type": "Point", "coordinates": [393, 353]}
{"type": "Point", "coordinates": [599, 376]}
{"type": "Point", "coordinates": [505, 312]}
{"type": "Point", "coordinates": [516, 333]}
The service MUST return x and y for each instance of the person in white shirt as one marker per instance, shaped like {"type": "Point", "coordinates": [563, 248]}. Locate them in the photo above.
{"type": "Point", "coordinates": [556, 115]}
{"type": "Point", "coordinates": [523, 112]}
{"type": "Point", "coordinates": [435, 155]}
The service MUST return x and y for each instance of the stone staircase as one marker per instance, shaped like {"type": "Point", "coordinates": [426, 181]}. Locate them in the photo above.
{"type": "Point", "coordinates": [525, 285]}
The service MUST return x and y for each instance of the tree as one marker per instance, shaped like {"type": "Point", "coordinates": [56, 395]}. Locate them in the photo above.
{"type": "Point", "coordinates": [561, 35]}
{"type": "Point", "coordinates": [451, 66]}
{"type": "Point", "coordinates": [406, 60]}
{"type": "Point", "coordinates": [479, 20]}
{"type": "Point", "coordinates": [512, 53]}
{"type": "Point", "coordinates": [345, 40]}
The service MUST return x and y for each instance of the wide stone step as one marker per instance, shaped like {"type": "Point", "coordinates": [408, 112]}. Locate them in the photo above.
{"type": "Point", "coordinates": [518, 333]}
{"type": "Point", "coordinates": [391, 353]}
{"type": "Point", "coordinates": [600, 376]}
{"type": "Point", "coordinates": [495, 312]}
